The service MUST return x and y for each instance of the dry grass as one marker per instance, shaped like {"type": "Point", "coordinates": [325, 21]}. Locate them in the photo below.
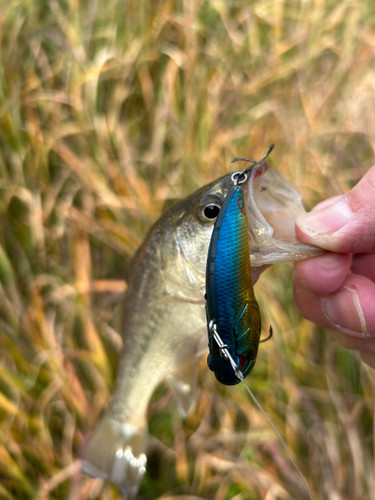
{"type": "Point", "coordinates": [109, 111]}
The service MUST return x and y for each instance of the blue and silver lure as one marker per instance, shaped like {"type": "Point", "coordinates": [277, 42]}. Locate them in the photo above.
{"type": "Point", "coordinates": [233, 316]}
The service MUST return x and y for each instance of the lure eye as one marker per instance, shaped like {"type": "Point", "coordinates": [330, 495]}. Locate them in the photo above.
{"type": "Point", "coordinates": [211, 211]}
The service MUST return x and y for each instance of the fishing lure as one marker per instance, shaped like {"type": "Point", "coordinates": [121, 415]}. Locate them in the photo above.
{"type": "Point", "coordinates": [233, 316]}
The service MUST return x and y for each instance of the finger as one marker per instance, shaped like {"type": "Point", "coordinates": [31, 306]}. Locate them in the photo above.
{"type": "Point", "coordinates": [366, 346]}
{"type": "Point", "coordinates": [323, 274]}
{"type": "Point", "coordinates": [363, 264]}
{"type": "Point", "coordinates": [357, 343]}
{"type": "Point", "coordinates": [309, 303]}
{"type": "Point", "coordinates": [348, 310]}
{"type": "Point", "coordinates": [348, 225]}
{"type": "Point", "coordinates": [327, 203]}
{"type": "Point", "coordinates": [368, 357]}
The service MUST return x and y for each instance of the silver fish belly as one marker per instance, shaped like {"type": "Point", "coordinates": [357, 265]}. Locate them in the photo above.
{"type": "Point", "coordinates": [165, 328]}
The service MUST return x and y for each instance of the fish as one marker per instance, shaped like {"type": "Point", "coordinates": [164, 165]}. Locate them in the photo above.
{"type": "Point", "coordinates": [165, 329]}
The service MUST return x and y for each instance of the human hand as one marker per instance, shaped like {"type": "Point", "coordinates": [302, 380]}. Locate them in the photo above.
{"type": "Point", "coordinates": [337, 290]}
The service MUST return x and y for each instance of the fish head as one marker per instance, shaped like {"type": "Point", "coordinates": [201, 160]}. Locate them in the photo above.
{"type": "Point", "coordinates": [187, 230]}
{"type": "Point", "coordinates": [272, 207]}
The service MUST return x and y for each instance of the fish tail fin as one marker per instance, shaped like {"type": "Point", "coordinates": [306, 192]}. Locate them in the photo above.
{"type": "Point", "coordinates": [115, 452]}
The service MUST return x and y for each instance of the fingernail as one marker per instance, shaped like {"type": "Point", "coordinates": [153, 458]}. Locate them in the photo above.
{"type": "Point", "coordinates": [325, 220]}
{"type": "Point", "coordinates": [344, 308]}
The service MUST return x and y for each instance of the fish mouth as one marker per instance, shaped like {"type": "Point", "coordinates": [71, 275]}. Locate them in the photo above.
{"type": "Point", "coordinates": [272, 207]}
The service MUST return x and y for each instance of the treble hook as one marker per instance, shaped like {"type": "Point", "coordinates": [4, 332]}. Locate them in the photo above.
{"type": "Point", "coordinates": [270, 148]}
{"type": "Point", "coordinates": [241, 177]}
{"type": "Point", "coordinates": [224, 350]}
{"type": "Point", "coordinates": [244, 159]}
{"type": "Point", "coordinates": [270, 333]}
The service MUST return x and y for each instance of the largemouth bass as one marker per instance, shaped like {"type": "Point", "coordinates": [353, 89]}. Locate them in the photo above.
{"type": "Point", "coordinates": [165, 329]}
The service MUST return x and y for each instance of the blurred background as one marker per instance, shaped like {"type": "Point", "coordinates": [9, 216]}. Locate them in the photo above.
{"type": "Point", "coordinates": [110, 111]}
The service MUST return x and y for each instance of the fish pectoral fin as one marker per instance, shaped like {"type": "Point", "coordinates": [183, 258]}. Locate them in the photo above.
{"type": "Point", "coordinates": [177, 292]}
{"type": "Point", "coordinates": [116, 452]}
{"type": "Point", "coordinates": [183, 384]}
{"type": "Point", "coordinates": [188, 287]}
{"type": "Point", "coordinates": [182, 291]}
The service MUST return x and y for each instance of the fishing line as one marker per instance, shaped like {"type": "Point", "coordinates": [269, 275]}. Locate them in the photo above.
{"type": "Point", "coordinates": [305, 483]}
{"type": "Point", "coordinates": [226, 354]}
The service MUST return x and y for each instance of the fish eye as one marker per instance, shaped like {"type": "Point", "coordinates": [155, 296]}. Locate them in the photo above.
{"type": "Point", "coordinates": [211, 211]}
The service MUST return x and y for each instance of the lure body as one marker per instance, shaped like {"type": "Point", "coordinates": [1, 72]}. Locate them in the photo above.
{"type": "Point", "coordinates": [230, 300]}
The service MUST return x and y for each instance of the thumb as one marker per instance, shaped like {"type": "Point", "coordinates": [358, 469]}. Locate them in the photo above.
{"type": "Point", "coordinates": [347, 225]}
